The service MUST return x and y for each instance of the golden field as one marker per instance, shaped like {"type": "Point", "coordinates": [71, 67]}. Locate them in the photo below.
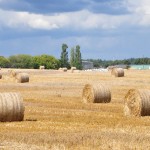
{"type": "Point", "coordinates": [56, 119]}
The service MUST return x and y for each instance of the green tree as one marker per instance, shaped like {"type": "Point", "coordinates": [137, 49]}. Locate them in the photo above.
{"type": "Point", "coordinates": [78, 59]}
{"type": "Point", "coordinates": [48, 61]}
{"type": "Point", "coordinates": [21, 61]}
{"type": "Point", "coordinates": [64, 56]}
{"type": "Point", "coordinates": [72, 57]}
{"type": "Point", "coordinates": [4, 62]}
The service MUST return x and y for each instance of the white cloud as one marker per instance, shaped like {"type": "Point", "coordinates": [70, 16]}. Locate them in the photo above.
{"type": "Point", "coordinates": [138, 6]}
{"type": "Point", "coordinates": [24, 19]}
{"type": "Point", "coordinates": [76, 20]}
{"type": "Point", "coordinates": [72, 20]}
{"type": "Point", "coordinates": [141, 11]}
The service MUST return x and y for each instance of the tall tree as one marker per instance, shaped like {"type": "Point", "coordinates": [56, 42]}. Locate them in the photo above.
{"type": "Point", "coordinates": [72, 57]}
{"type": "Point", "coordinates": [78, 59]}
{"type": "Point", "coordinates": [64, 56]}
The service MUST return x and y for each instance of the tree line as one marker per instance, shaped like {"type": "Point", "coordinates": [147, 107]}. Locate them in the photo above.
{"type": "Point", "coordinates": [27, 61]}
{"type": "Point", "coordinates": [75, 60]}
{"type": "Point", "coordinates": [131, 61]}
{"type": "Point", "coordinates": [50, 62]}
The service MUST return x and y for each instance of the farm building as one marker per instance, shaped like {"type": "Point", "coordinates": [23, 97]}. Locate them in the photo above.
{"type": "Point", "coordinates": [140, 67]}
{"type": "Point", "coordinates": [87, 65]}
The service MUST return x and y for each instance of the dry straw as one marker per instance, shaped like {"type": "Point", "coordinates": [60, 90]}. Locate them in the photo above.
{"type": "Point", "coordinates": [11, 107]}
{"type": "Point", "coordinates": [73, 68]}
{"type": "Point", "coordinates": [137, 103]}
{"type": "Point", "coordinates": [117, 72]}
{"type": "Point", "coordinates": [76, 71]}
{"type": "Point", "coordinates": [96, 93]}
{"type": "Point", "coordinates": [22, 77]}
{"type": "Point", "coordinates": [64, 69]}
{"type": "Point", "coordinates": [42, 67]}
{"type": "Point", "coordinates": [12, 73]}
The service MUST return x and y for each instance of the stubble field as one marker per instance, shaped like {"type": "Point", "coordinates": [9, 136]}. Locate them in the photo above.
{"type": "Point", "coordinates": [56, 119]}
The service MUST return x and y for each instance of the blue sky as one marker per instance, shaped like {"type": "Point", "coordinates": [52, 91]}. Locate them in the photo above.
{"type": "Point", "coordinates": [104, 29]}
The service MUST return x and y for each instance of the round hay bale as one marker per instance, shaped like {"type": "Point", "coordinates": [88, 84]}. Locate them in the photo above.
{"type": "Point", "coordinates": [11, 107]}
{"type": "Point", "coordinates": [96, 93]}
{"type": "Point", "coordinates": [22, 77]}
{"type": "Point", "coordinates": [12, 73]}
{"type": "Point", "coordinates": [117, 72]}
{"type": "Point", "coordinates": [137, 103]}
{"type": "Point", "coordinates": [73, 68]}
{"type": "Point", "coordinates": [42, 67]}
{"type": "Point", "coordinates": [60, 69]}
{"type": "Point", "coordinates": [64, 69]}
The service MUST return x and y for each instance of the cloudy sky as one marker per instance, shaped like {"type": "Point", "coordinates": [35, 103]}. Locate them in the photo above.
{"type": "Point", "coordinates": [105, 29]}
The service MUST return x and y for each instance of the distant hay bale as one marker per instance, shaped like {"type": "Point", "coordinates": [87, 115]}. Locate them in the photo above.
{"type": "Point", "coordinates": [96, 93]}
{"type": "Point", "coordinates": [12, 73]}
{"type": "Point", "coordinates": [137, 103]}
{"type": "Point", "coordinates": [110, 68]}
{"type": "Point", "coordinates": [117, 72]}
{"type": "Point", "coordinates": [73, 68]}
{"type": "Point", "coordinates": [60, 69]}
{"type": "Point", "coordinates": [22, 77]}
{"type": "Point", "coordinates": [42, 67]}
{"type": "Point", "coordinates": [64, 69]}
{"type": "Point", "coordinates": [11, 107]}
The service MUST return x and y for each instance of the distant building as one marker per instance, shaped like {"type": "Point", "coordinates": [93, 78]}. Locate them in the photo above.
{"type": "Point", "coordinates": [140, 67]}
{"type": "Point", "coordinates": [87, 65]}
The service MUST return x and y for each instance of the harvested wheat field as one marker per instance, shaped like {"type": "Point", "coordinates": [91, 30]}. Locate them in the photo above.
{"type": "Point", "coordinates": [55, 117]}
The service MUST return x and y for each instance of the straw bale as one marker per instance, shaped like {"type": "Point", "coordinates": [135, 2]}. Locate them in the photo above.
{"type": "Point", "coordinates": [60, 69]}
{"type": "Point", "coordinates": [137, 103]}
{"type": "Point", "coordinates": [22, 77]}
{"type": "Point", "coordinates": [117, 72]}
{"type": "Point", "coordinates": [64, 69]}
{"type": "Point", "coordinates": [42, 67]}
{"type": "Point", "coordinates": [11, 107]}
{"type": "Point", "coordinates": [96, 93]}
{"type": "Point", "coordinates": [12, 73]}
{"type": "Point", "coordinates": [73, 68]}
